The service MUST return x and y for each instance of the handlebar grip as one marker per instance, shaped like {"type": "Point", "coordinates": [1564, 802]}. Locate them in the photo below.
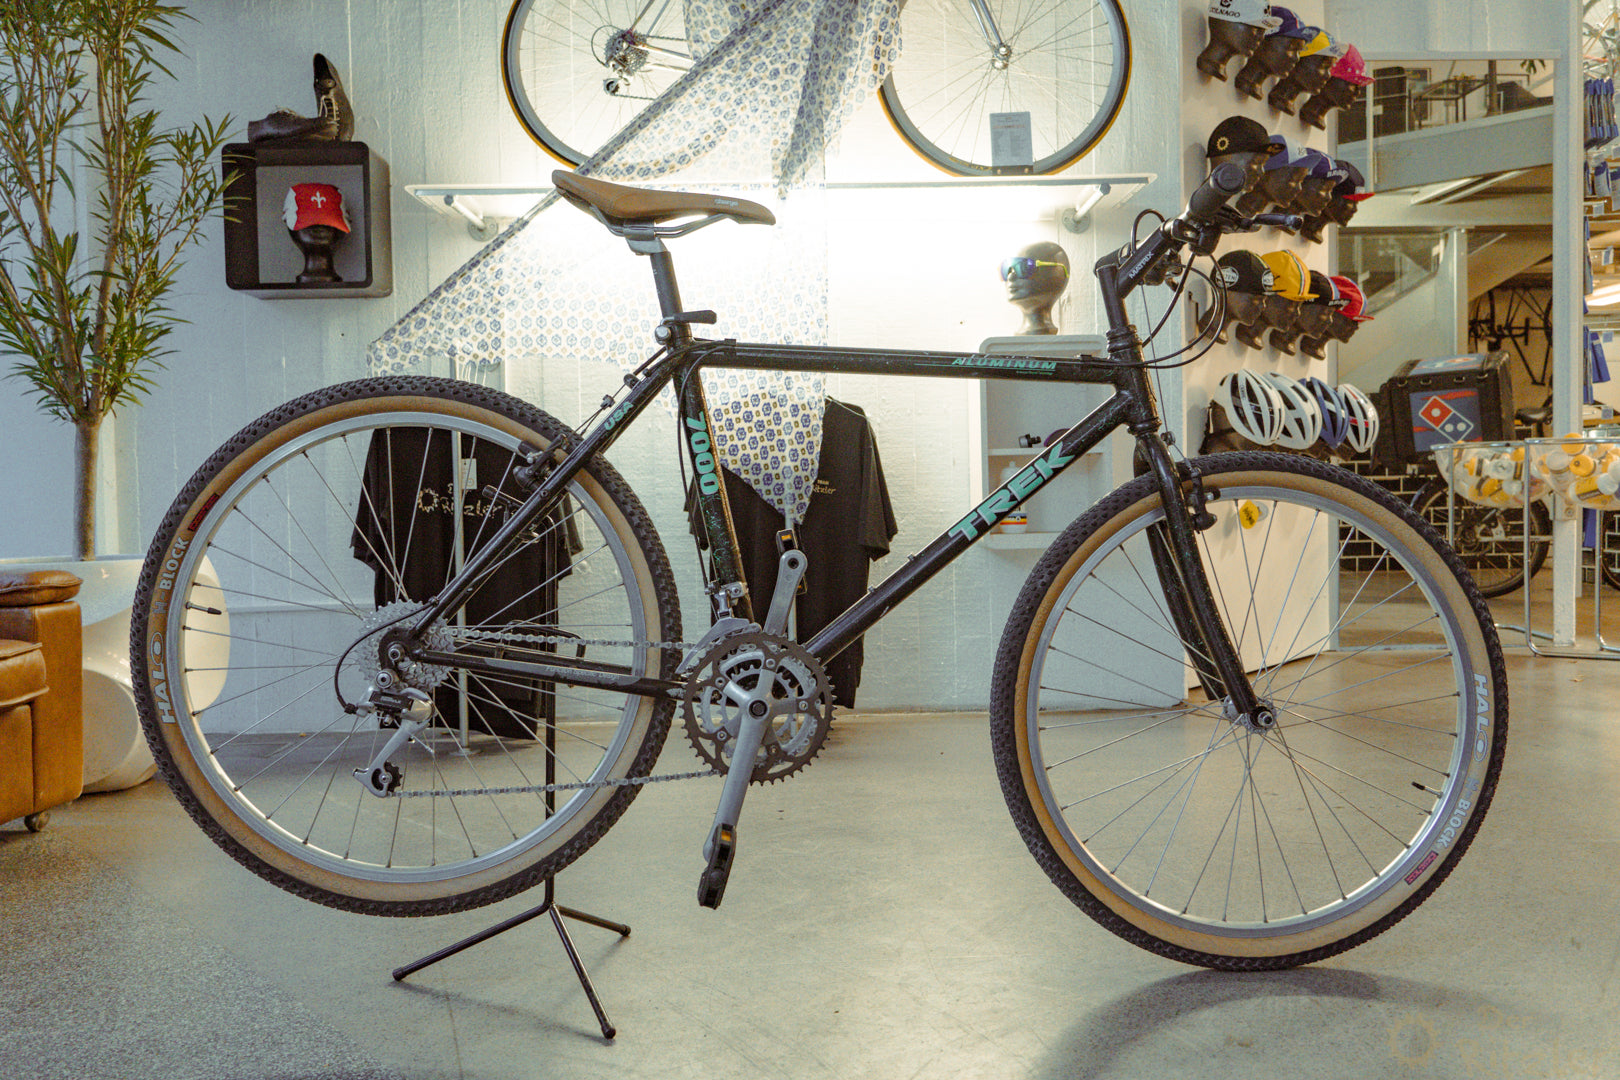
{"type": "Point", "coordinates": [1216, 191]}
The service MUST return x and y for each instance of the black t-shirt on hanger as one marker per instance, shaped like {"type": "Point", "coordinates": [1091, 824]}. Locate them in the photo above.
{"type": "Point", "coordinates": [406, 520]}
{"type": "Point", "coordinates": [849, 523]}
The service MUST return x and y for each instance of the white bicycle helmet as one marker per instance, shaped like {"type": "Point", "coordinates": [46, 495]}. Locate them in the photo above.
{"type": "Point", "coordinates": [1301, 418]}
{"type": "Point", "coordinates": [1334, 421]}
{"type": "Point", "coordinates": [1362, 429]}
{"type": "Point", "coordinates": [1252, 405]}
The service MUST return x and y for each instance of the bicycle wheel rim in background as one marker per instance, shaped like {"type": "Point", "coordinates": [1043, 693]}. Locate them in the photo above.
{"type": "Point", "coordinates": [253, 737]}
{"type": "Point", "coordinates": [1490, 540]}
{"type": "Point", "coordinates": [552, 66]}
{"type": "Point", "coordinates": [1138, 816]}
{"type": "Point", "coordinates": [1069, 69]}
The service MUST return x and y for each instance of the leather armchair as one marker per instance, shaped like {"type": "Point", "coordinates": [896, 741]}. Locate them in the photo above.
{"type": "Point", "coordinates": [41, 695]}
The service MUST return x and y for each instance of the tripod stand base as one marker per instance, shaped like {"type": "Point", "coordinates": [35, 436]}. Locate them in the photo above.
{"type": "Point", "coordinates": [549, 906]}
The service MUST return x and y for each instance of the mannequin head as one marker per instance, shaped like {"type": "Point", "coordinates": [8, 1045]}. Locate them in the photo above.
{"type": "Point", "coordinates": [1279, 184]}
{"type": "Point", "coordinates": [1244, 142]}
{"type": "Point", "coordinates": [1274, 57]}
{"type": "Point", "coordinates": [1337, 94]}
{"type": "Point", "coordinates": [316, 221]}
{"type": "Point", "coordinates": [1314, 320]}
{"type": "Point", "coordinates": [1246, 280]}
{"type": "Point", "coordinates": [1226, 40]}
{"type": "Point", "coordinates": [1322, 175]}
{"type": "Point", "coordinates": [1309, 75]}
{"type": "Point", "coordinates": [1341, 205]}
{"type": "Point", "coordinates": [1314, 316]}
{"type": "Point", "coordinates": [1035, 278]}
{"type": "Point", "coordinates": [317, 242]}
{"type": "Point", "coordinates": [1345, 81]}
{"type": "Point", "coordinates": [1280, 314]}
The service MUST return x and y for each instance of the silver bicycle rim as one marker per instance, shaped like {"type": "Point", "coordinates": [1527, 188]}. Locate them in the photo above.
{"type": "Point", "coordinates": [259, 716]}
{"type": "Point", "coordinates": [1068, 70]}
{"type": "Point", "coordinates": [575, 77]}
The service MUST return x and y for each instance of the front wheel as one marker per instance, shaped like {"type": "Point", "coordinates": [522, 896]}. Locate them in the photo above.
{"type": "Point", "coordinates": [259, 622]}
{"type": "Point", "coordinates": [1195, 833]}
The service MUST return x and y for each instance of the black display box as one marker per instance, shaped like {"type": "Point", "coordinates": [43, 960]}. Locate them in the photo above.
{"type": "Point", "coordinates": [261, 259]}
{"type": "Point", "coordinates": [1448, 399]}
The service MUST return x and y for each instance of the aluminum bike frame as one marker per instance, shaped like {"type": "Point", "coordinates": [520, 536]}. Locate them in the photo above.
{"type": "Point", "coordinates": [1132, 405]}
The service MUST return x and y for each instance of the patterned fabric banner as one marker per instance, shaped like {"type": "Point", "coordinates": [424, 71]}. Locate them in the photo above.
{"type": "Point", "coordinates": [772, 82]}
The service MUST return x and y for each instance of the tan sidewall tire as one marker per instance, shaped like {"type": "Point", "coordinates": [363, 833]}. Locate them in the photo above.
{"type": "Point", "coordinates": [1477, 658]}
{"type": "Point", "coordinates": [159, 655]}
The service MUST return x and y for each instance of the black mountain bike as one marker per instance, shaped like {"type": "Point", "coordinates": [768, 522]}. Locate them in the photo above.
{"type": "Point", "coordinates": [1248, 710]}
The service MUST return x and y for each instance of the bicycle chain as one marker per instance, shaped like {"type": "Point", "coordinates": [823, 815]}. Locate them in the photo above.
{"type": "Point", "coordinates": [538, 789]}
{"type": "Point", "coordinates": [577, 785]}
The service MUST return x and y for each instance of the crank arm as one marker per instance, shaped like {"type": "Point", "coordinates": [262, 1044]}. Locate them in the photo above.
{"type": "Point", "coordinates": [721, 847]}
{"type": "Point", "coordinates": [790, 570]}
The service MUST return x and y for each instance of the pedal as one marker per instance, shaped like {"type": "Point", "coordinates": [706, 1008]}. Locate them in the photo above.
{"type": "Point", "coordinates": [712, 884]}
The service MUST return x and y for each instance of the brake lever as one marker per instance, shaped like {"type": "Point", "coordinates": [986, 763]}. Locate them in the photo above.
{"type": "Point", "coordinates": [1291, 222]}
{"type": "Point", "coordinates": [1231, 221]}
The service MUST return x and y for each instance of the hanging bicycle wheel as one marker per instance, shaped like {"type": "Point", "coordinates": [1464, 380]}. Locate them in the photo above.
{"type": "Point", "coordinates": [1490, 540]}
{"type": "Point", "coordinates": [258, 628]}
{"type": "Point", "coordinates": [1007, 87]}
{"type": "Point", "coordinates": [1202, 837]}
{"type": "Point", "coordinates": [577, 71]}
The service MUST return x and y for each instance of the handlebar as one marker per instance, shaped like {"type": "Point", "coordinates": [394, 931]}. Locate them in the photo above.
{"type": "Point", "coordinates": [1207, 218]}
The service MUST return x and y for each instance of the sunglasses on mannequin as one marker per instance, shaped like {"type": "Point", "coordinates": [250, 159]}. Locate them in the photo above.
{"type": "Point", "coordinates": [1021, 267]}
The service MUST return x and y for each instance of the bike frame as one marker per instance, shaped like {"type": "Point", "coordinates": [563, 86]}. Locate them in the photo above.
{"type": "Point", "coordinates": [1132, 406]}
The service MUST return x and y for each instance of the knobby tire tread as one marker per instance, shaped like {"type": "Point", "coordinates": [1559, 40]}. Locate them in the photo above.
{"type": "Point", "coordinates": [1003, 694]}
{"type": "Point", "coordinates": [469, 394]}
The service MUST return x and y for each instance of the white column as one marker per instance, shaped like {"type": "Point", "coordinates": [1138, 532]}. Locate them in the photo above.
{"type": "Point", "coordinates": [1569, 249]}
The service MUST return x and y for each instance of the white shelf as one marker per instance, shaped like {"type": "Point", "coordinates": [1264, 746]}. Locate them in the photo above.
{"type": "Point", "coordinates": [481, 206]}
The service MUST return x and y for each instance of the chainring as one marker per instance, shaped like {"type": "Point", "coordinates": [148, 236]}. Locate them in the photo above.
{"type": "Point", "coordinates": [727, 677]}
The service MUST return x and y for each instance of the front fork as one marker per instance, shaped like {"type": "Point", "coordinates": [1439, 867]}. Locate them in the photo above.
{"type": "Point", "coordinates": [1187, 592]}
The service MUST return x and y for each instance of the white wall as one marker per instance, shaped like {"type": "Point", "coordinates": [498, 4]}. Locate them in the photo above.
{"type": "Point", "coordinates": [1406, 27]}
{"type": "Point", "coordinates": [423, 77]}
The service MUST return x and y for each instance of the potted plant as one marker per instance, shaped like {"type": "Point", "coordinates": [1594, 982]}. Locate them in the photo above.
{"type": "Point", "coordinates": [98, 204]}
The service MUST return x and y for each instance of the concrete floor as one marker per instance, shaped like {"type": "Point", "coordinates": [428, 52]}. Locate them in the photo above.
{"type": "Point", "coordinates": [884, 921]}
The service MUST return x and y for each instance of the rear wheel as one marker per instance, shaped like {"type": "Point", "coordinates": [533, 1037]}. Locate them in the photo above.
{"type": "Point", "coordinates": [1194, 834]}
{"type": "Point", "coordinates": [577, 71]}
{"type": "Point", "coordinates": [311, 534]}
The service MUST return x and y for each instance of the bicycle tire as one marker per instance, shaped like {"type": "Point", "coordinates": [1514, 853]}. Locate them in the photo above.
{"type": "Point", "coordinates": [1210, 843]}
{"type": "Point", "coordinates": [1067, 67]}
{"type": "Point", "coordinates": [299, 524]}
{"type": "Point", "coordinates": [575, 74]}
{"type": "Point", "coordinates": [1488, 539]}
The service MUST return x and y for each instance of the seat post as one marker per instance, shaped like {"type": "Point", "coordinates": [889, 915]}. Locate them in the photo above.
{"type": "Point", "coordinates": [663, 269]}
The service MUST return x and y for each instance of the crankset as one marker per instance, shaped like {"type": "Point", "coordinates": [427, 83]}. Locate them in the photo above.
{"type": "Point", "coordinates": [758, 705]}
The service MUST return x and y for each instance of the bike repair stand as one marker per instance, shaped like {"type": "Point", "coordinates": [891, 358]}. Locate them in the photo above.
{"type": "Point", "coordinates": [548, 906]}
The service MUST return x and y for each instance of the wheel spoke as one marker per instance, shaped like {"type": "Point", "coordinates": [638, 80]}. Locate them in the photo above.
{"type": "Point", "coordinates": [336, 528]}
{"type": "Point", "coordinates": [1191, 824]}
